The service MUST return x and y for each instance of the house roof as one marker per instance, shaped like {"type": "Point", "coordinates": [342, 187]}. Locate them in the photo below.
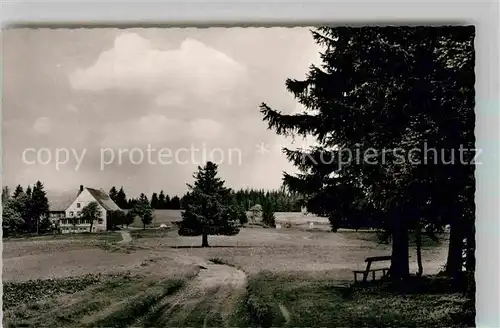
{"type": "Point", "coordinates": [61, 201]}
{"type": "Point", "coordinates": [103, 199]}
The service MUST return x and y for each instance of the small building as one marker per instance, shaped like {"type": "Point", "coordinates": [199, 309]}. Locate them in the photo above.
{"type": "Point", "coordinates": [67, 215]}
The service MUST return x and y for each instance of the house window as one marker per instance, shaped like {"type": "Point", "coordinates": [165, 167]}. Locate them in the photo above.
{"type": "Point", "coordinates": [71, 214]}
{"type": "Point", "coordinates": [78, 205]}
{"type": "Point", "coordinates": [78, 213]}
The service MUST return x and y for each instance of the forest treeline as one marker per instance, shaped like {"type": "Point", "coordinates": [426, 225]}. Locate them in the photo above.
{"type": "Point", "coordinates": [278, 200]}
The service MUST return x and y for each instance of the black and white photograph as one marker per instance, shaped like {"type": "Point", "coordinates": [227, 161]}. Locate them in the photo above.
{"type": "Point", "coordinates": [310, 176]}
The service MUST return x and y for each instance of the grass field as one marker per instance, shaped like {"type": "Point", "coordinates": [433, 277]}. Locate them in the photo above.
{"type": "Point", "coordinates": [274, 300]}
{"type": "Point", "coordinates": [168, 217]}
{"type": "Point", "coordinates": [101, 236]}
{"type": "Point", "coordinates": [162, 279]}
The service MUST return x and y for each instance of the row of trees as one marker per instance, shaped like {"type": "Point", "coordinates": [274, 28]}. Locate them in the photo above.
{"type": "Point", "coordinates": [279, 201]}
{"type": "Point", "coordinates": [158, 201]}
{"type": "Point", "coordinates": [25, 211]}
{"type": "Point", "coordinates": [393, 90]}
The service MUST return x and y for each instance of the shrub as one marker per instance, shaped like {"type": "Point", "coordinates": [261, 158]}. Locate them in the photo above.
{"type": "Point", "coordinates": [268, 217]}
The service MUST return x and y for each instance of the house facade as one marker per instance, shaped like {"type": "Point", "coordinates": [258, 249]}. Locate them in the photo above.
{"type": "Point", "coordinates": [68, 217]}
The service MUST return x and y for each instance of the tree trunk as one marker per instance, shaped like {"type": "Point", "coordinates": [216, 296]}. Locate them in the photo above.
{"type": "Point", "coordinates": [204, 240]}
{"type": "Point", "coordinates": [418, 242]}
{"type": "Point", "coordinates": [91, 225]}
{"type": "Point", "coordinates": [471, 262]}
{"type": "Point", "coordinates": [400, 266]}
{"type": "Point", "coordinates": [454, 261]}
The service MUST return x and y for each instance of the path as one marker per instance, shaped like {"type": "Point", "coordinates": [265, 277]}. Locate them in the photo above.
{"type": "Point", "coordinates": [208, 300]}
{"type": "Point", "coordinates": [126, 237]}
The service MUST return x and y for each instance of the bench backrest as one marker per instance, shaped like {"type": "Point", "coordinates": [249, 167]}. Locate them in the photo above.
{"type": "Point", "coordinates": [378, 258]}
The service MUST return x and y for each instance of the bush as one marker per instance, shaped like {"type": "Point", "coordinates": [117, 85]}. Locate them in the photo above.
{"type": "Point", "coordinates": [15, 292]}
{"type": "Point", "coordinates": [268, 217]}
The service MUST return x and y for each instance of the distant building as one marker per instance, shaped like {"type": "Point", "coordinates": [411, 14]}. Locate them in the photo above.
{"type": "Point", "coordinates": [65, 212]}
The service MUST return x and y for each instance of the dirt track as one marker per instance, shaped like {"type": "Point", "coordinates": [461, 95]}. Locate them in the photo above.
{"type": "Point", "coordinates": [210, 296]}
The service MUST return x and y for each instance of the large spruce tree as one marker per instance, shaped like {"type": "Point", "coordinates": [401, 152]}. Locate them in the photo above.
{"type": "Point", "coordinates": [121, 199]}
{"type": "Point", "coordinates": [209, 210]}
{"type": "Point", "coordinates": [382, 92]}
{"type": "Point", "coordinates": [38, 207]}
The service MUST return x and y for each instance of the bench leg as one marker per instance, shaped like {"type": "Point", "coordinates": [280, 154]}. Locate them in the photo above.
{"type": "Point", "coordinates": [355, 276]}
{"type": "Point", "coordinates": [373, 275]}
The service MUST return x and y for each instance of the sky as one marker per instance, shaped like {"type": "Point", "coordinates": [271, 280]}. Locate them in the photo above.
{"type": "Point", "coordinates": [142, 108]}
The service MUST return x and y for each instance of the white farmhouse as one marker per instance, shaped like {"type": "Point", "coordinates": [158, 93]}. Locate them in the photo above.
{"type": "Point", "coordinates": [67, 215]}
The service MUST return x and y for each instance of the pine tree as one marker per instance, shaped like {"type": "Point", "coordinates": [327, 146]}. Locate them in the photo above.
{"type": "Point", "coordinates": [18, 191]}
{"type": "Point", "coordinates": [161, 201]}
{"type": "Point", "coordinates": [28, 191]}
{"type": "Point", "coordinates": [113, 194]}
{"type": "Point", "coordinates": [385, 88]}
{"type": "Point", "coordinates": [5, 194]}
{"type": "Point", "coordinates": [175, 203]}
{"type": "Point", "coordinates": [155, 201]}
{"type": "Point", "coordinates": [121, 199]}
{"type": "Point", "coordinates": [39, 205]}
{"type": "Point", "coordinates": [168, 202]}
{"type": "Point", "coordinates": [208, 212]}
{"type": "Point", "coordinates": [268, 217]}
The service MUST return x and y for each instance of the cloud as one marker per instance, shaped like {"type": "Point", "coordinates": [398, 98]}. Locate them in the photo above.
{"type": "Point", "coordinates": [159, 130]}
{"type": "Point", "coordinates": [134, 63]}
{"type": "Point", "coordinates": [165, 87]}
{"type": "Point", "coordinates": [42, 125]}
{"type": "Point", "coordinates": [150, 129]}
{"type": "Point", "coordinates": [207, 129]}
{"type": "Point", "coordinates": [72, 108]}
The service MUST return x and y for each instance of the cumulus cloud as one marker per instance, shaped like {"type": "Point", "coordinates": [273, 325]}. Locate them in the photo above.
{"type": "Point", "coordinates": [134, 63]}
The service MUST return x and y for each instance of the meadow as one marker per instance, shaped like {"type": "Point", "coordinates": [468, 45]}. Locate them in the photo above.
{"type": "Point", "coordinates": [260, 277]}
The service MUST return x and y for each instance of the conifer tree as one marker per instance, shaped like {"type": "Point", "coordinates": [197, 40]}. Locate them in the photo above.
{"type": "Point", "coordinates": [154, 201]}
{"type": "Point", "coordinates": [388, 89]}
{"type": "Point", "coordinates": [175, 203]}
{"type": "Point", "coordinates": [121, 199]}
{"type": "Point", "coordinates": [18, 191]}
{"type": "Point", "coordinates": [161, 201]}
{"type": "Point", "coordinates": [38, 205]}
{"type": "Point", "coordinates": [208, 211]}
{"type": "Point", "coordinates": [113, 194]}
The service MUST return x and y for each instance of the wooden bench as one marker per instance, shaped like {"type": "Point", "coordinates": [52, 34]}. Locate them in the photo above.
{"type": "Point", "coordinates": [369, 261]}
